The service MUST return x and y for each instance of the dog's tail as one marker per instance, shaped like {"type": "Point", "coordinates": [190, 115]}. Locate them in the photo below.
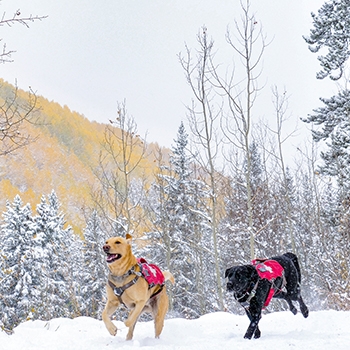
{"type": "Point", "coordinates": [295, 260]}
{"type": "Point", "coordinates": [169, 276]}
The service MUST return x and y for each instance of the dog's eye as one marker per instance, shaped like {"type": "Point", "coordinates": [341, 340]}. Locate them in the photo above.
{"type": "Point", "coordinates": [117, 242]}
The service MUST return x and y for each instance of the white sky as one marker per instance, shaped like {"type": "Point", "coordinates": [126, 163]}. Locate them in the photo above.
{"type": "Point", "coordinates": [89, 55]}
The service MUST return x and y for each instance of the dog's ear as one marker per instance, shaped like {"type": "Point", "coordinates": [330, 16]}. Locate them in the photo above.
{"type": "Point", "coordinates": [128, 238]}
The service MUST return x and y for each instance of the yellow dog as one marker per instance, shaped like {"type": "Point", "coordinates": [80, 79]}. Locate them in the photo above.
{"type": "Point", "coordinates": [127, 286]}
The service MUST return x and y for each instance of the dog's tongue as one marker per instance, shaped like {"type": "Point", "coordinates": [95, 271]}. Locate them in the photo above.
{"type": "Point", "coordinates": [110, 257]}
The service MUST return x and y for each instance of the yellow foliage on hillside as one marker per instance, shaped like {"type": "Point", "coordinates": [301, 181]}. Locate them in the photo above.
{"type": "Point", "coordinates": [63, 158]}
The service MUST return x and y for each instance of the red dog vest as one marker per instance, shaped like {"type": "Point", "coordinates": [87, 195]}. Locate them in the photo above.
{"type": "Point", "coordinates": [152, 273]}
{"type": "Point", "coordinates": [269, 269]}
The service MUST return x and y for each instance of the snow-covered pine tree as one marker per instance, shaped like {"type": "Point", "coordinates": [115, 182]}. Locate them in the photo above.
{"type": "Point", "coordinates": [261, 210]}
{"type": "Point", "coordinates": [286, 197]}
{"type": "Point", "coordinates": [183, 233]}
{"type": "Point", "coordinates": [234, 233]}
{"type": "Point", "coordinates": [58, 255]}
{"type": "Point", "coordinates": [20, 271]}
{"type": "Point", "coordinates": [334, 118]}
{"type": "Point", "coordinates": [308, 233]}
{"type": "Point", "coordinates": [94, 273]}
{"type": "Point", "coordinates": [333, 270]}
{"type": "Point", "coordinates": [331, 31]}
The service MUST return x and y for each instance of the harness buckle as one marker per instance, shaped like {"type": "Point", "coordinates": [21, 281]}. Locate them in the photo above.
{"type": "Point", "coordinates": [118, 291]}
{"type": "Point", "coordinates": [246, 305]}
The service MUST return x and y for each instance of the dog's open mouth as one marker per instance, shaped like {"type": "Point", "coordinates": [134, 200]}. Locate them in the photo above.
{"type": "Point", "coordinates": [112, 257]}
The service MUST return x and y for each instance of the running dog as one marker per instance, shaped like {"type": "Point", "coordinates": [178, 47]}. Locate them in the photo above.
{"type": "Point", "coordinates": [254, 285]}
{"type": "Point", "coordinates": [127, 285]}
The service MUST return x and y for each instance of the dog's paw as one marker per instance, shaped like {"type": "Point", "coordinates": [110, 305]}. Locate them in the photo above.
{"type": "Point", "coordinates": [304, 311]}
{"type": "Point", "coordinates": [127, 323]}
{"type": "Point", "coordinates": [248, 335]}
{"type": "Point", "coordinates": [112, 329]}
{"type": "Point", "coordinates": [294, 310]}
{"type": "Point", "coordinates": [257, 334]}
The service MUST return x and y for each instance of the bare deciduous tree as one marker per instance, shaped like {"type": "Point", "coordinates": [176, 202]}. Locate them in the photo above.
{"type": "Point", "coordinates": [122, 155]}
{"type": "Point", "coordinates": [5, 55]}
{"type": "Point", "coordinates": [240, 90]}
{"type": "Point", "coordinates": [203, 119]}
{"type": "Point", "coordinates": [14, 113]}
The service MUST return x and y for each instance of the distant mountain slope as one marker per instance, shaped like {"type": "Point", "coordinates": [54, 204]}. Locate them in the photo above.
{"type": "Point", "coordinates": [62, 158]}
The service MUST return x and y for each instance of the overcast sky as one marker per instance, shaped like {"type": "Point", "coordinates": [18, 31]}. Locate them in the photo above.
{"type": "Point", "coordinates": [89, 55]}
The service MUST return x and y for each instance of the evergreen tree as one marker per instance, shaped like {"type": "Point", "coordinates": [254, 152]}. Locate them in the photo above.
{"type": "Point", "coordinates": [57, 247]}
{"type": "Point", "coordinates": [183, 232]}
{"type": "Point", "coordinates": [20, 283]}
{"type": "Point", "coordinates": [334, 118]}
{"type": "Point", "coordinates": [331, 31]}
{"type": "Point", "coordinates": [334, 249]}
{"type": "Point", "coordinates": [256, 168]}
{"type": "Point", "coordinates": [94, 275]}
{"type": "Point", "coordinates": [260, 202]}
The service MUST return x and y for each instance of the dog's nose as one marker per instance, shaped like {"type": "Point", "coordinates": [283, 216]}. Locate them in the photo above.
{"type": "Point", "coordinates": [106, 248]}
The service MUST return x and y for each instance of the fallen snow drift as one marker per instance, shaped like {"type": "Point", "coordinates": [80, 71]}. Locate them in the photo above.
{"type": "Point", "coordinates": [221, 330]}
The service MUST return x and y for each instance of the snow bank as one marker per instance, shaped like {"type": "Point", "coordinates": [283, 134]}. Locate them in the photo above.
{"type": "Point", "coordinates": [281, 330]}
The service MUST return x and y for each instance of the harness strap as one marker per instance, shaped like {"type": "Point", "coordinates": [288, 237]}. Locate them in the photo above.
{"type": "Point", "coordinates": [284, 283]}
{"type": "Point", "coordinates": [132, 271]}
{"type": "Point", "coordinates": [118, 291]}
{"type": "Point", "coordinates": [251, 295]}
{"type": "Point", "coordinates": [161, 286]}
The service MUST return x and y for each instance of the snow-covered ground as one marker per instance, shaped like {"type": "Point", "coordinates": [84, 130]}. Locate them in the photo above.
{"type": "Point", "coordinates": [280, 330]}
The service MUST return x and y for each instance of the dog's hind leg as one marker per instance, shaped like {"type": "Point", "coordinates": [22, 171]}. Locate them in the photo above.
{"type": "Point", "coordinates": [288, 299]}
{"type": "Point", "coordinates": [303, 308]}
{"type": "Point", "coordinates": [159, 310]}
{"type": "Point", "coordinates": [293, 293]}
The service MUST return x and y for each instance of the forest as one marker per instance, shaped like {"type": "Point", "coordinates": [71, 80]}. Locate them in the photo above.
{"type": "Point", "coordinates": [222, 195]}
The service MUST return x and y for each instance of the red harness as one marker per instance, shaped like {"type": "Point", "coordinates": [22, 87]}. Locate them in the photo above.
{"type": "Point", "coordinates": [152, 273]}
{"type": "Point", "coordinates": [269, 269]}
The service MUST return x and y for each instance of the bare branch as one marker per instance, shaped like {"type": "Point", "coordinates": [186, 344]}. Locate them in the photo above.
{"type": "Point", "coordinates": [5, 55]}
{"type": "Point", "coordinates": [14, 113]}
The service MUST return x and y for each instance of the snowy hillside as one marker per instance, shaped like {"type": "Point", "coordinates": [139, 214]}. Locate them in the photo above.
{"type": "Point", "coordinates": [281, 330]}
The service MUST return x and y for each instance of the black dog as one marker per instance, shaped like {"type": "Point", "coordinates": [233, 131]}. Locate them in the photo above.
{"type": "Point", "coordinates": [253, 292]}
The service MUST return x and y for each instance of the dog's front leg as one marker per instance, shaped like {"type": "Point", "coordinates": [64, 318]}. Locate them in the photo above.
{"type": "Point", "coordinates": [133, 317]}
{"type": "Point", "coordinates": [257, 332]}
{"type": "Point", "coordinates": [108, 311]}
{"type": "Point", "coordinates": [253, 328]}
{"type": "Point", "coordinates": [255, 307]}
